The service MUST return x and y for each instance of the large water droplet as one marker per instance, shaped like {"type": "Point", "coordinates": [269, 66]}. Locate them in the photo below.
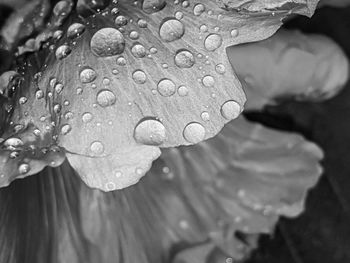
{"type": "Point", "coordinates": [166, 87]}
{"type": "Point", "coordinates": [139, 77]}
{"type": "Point", "coordinates": [63, 51]}
{"type": "Point", "coordinates": [152, 6]}
{"type": "Point", "coordinates": [194, 132]}
{"type": "Point", "coordinates": [87, 75]}
{"type": "Point", "coordinates": [184, 59]}
{"type": "Point", "coordinates": [213, 42]}
{"type": "Point", "coordinates": [75, 30]}
{"type": "Point", "coordinates": [171, 30]}
{"type": "Point", "coordinates": [105, 98]}
{"type": "Point", "coordinates": [107, 42]}
{"type": "Point", "coordinates": [230, 110]}
{"type": "Point", "coordinates": [150, 131]}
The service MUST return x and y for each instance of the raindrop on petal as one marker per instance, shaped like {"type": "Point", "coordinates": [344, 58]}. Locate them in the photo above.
{"type": "Point", "coordinates": [184, 59]}
{"type": "Point", "coordinates": [194, 132]}
{"type": "Point", "coordinates": [107, 42]}
{"type": "Point", "coordinates": [139, 77]}
{"type": "Point", "coordinates": [105, 98]}
{"type": "Point", "coordinates": [213, 42]}
{"type": "Point", "coordinates": [87, 75]}
{"type": "Point", "coordinates": [152, 6]}
{"type": "Point", "coordinates": [75, 30]}
{"type": "Point", "coordinates": [24, 168]}
{"type": "Point", "coordinates": [230, 110]}
{"type": "Point", "coordinates": [150, 131]}
{"type": "Point", "coordinates": [63, 51]}
{"type": "Point", "coordinates": [171, 30]}
{"type": "Point", "coordinates": [166, 87]}
{"type": "Point", "coordinates": [97, 147]}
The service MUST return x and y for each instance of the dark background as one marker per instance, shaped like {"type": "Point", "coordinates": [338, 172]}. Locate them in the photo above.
{"type": "Point", "coordinates": [322, 233]}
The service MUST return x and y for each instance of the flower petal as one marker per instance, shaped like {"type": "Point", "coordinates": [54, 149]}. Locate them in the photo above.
{"type": "Point", "coordinates": [309, 67]}
{"type": "Point", "coordinates": [198, 198]}
{"type": "Point", "coordinates": [139, 73]}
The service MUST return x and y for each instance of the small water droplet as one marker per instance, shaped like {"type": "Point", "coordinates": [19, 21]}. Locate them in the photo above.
{"type": "Point", "coordinates": [105, 98]}
{"type": "Point", "coordinates": [213, 42]}
{"type": "Point", "coordinates": [62, 51]}
{"type": "Point", "coordinates": [198, 9]}
{"type": "Point", "coordinates": [22, 100]}
{"type": "Point", "coordinates": [194, 132]}
{"type": "Point", "coordinates": [138, 50]}
{"type": "Point", "coordinates": [75, 30]}
{"type": "Point", "coordinates": [13, 143]}
{"type": "Point", "coordinates": [152, 6]}
{"type": "Point", "coordinates": [87, 117]}
{"type": "Point", "coordinates": [150, 131]}
{"type": "Point", "coordinates": [166, 87]}
{"type": "Point", "coordinates": [208, 81]}
{"type": "Point", "coordinates": [182, 91]}
{"type": "Point", "coordinates": [142, 23]}
{"type": "Point", "coordinates": [205, 116]}
{"type": "Point", "coordinates": [184, 59]}
{"type": "Point", "coordinates": [58, 88]}
{"type": "Point", "coordinates": [97, 147]}
{"type": "Point", "coordinates": [120, 21]}
{"type": "Point", "coordinates": [234, 32]}
{"type": "Point", "coordinates": [110, 186]}
{"type": "Point", "coordinates": [121, 61]}
{"type": "Point", "coordinates": [65, 129]}
{"type": "Point", "coordinates": [220, 69]}
{"type": "Point", "coordinates": [139, 77]}
{"type": "Point", "coordinates": [39, 94]}
{"type": "Point", "coordinates": [24, 168]}
{"type": "Point", "coordinates": [87, 75]}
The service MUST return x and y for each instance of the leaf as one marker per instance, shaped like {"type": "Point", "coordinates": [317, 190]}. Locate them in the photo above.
{"type": "Point", "coordinates": [310, 67]}
{"type": "Point", "coordinates": [135, 74]}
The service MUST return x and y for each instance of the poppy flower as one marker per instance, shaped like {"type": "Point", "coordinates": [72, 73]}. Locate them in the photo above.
{"type": "Point", "coordinates": [110, 85]}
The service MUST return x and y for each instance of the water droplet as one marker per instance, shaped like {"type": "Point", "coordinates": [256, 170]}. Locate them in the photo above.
{"type": "Point", "coordinates": [142, 23]}
{"type": "Point", "coordinates": [106, 81]}
{"type": "Point", "coordinates": [179, 15]}
{"type": "Point", "coordinates": [22, 100]}
{"type": "Point", "coordinates": [110, 186]}
{"type": "Point", "coordinates": [220, 69]}
{"type": "Point", "coordinates": [24, 168]}
{"type": "Point", "coordinates": [213, 42]}
{"type": "Point", "coordinates": [105, 98]}
{"type": "Point", "coordinates": [138, 50]}
{"type": "Point", "coordinates": [182, 91]}
{"type": "Point", "coordinates": [171, 30]}
{"type": "Point", "coordinates": [57, 108]}
{"type": "Point", "coordinates": [198, 9]}
{"type": "Point", "coordinates": [203, 28]}
{"type": "Point", "coordinates": [107, 42]}
{"type": "Point", "coordinates": [58, 88]}
{"type": "Point", "coordinates": [65, 129]}
{"type": "Point", "coordinates": [87, 117]}
{"type": "Point", "coordinates": [134, 35]}
{"type": "Point", "coordinates": [205, 116]}
{"type": "Point", "coordinates": [150, 131]}
{"type": "Point", "coordinates": [39, 94]}
{"type": "Point", "coordinates": [121, 61]}
{"type": "Point", "coordinates": [121, 21]}
{"type": "Point", "coordinates": [139, 77]}
{"type": "Point", "coordinates": [75, 30]}
{"type": "Point", "coordinates": [87, 75]}
{"type": "Point", "coordinates": [13, 143]}
{"type": "Point", "coordinates": [97, 147]}
{"type": "Point", "coordinates": [166, 87]}
{"type": "Point", "coordinates": [194, 132]}
{"type": "Point", "coordinates": [69, 115]}
{"type": "Point", "coordinates": [208, 81]}
{"type": "Point", "coordinates": [230, 110]}
{"type": "Point", "coordinates": [234, 32]}
{"type": "Point", "coordinates": [63, 51]}
{"type": "Point", "coordinates": [184, 59]}
{"type": "Point", "coordinates": [152, 6]}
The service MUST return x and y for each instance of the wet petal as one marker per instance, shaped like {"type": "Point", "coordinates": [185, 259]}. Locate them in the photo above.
{"type": "Point", "coordinates": [198, 199]}
{"type": "Point", "coordinates": [311, 67]}
{"type": "Point", "coordinates": [136, 74]}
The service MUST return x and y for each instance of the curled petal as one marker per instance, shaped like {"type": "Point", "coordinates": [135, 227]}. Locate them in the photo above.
{"type": "Point", "coordinates": [290, 63]}
{"type": "Point", "coordinates": [197, 200]}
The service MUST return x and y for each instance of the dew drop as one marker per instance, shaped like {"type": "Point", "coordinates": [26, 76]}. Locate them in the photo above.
{"type": "Point", "coordinates": [22, 100]}
{"type": "Point", "coordinates": [142, 23]}
{"type": "Point", "coordinates": [110, 186]}
{"type": "Point", "coordinates": [166, 87]}
{"type": "Point", "coordinates": [234, 33]}
{"type": "Point", "coordinates": [194, 132]}
{"type": "Point", "coordinates": [107, 42]}
{"type": "Point", "coordinates": [24, 168]}
{"type": "Point", "coordinates": [213, 42]}
{"type": "Point", "coordinates": [39, 94]}
{"type": "Point", "coordinates": [138, 50]}
{"type": "Point", "coordinates": [220, 69]}
{"type": "Point", "coordinates": [182, 91]}
{"type": "Point", "coordinates": [13, 142]}
{"type": "Point", "coordinates": [87, 117]}
{"type": "Point", "coordinates": [121, 61]}
{"type": "Point", "coordinates": [150, 131]}
{"type": "Point", "coordinates": [171, 30]}
{"type": "Point", "coordinates": [205, 116]}
{"type": "Point", "coordinates": [58, 88]}
{"type": "Point", "coordinates": [139, 77]}
{"type": "Point", "coordinates": [75, 30]}
{"type": "Point", "coordinates": [152, 6]}
{"type": "Point", "coordinates": [121, 21]}
{"type": "Point", "coordinates": [97, 147]}
{"type": "Point", "coordinates": [134, 35]}
{"type": "Point", "coordinates": [230, 110]}
{"type": "Point", "coordinates": [65, 129]}
{"type": "Point", "coordinates": [62, 51]}
{"type": "Point", "coordinates": [208, 81]}
{"type": "Point", "coordinates": [105, 98]}
{"type": "Point", "coordinates": [87, 75]}
{"type": "Point", "coordinates": [184, 59]}
{"type": "Point", "coordinates": [198, 9]}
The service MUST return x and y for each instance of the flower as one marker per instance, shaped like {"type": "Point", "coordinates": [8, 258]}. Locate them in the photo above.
{"type": "Point", "coordinates": [111, 89]}
{"type": "Point", "coordinates": [115, 86]}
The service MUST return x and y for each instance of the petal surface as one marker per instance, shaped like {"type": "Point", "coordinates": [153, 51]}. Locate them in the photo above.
{"type": "Point", "coordinates": [136, 74]}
